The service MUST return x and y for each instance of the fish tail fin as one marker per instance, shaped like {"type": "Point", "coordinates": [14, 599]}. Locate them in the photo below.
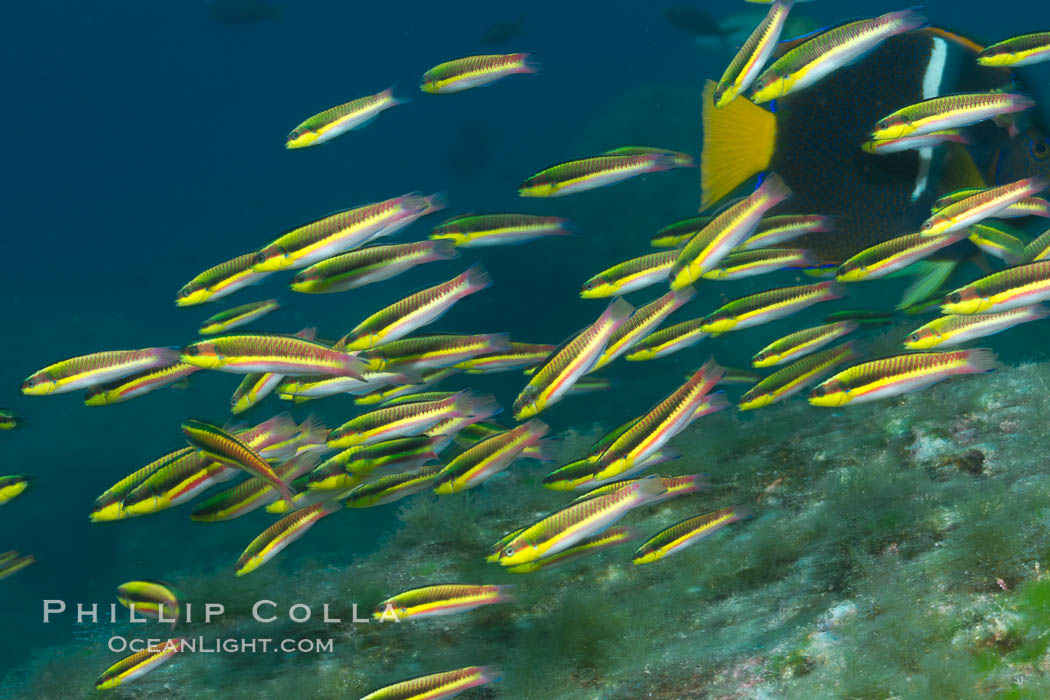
{"type": "Point", "coordinates": [480, 407]}
{"type": "Point", "coordinates": [741, 513]}
{"type": "Point", "coordinates": [738, 143]}
{"type": "Point", "coordinates": [286, 495]}
{"type": "Point", "coordinates": [444, 249]}
{"type": "Point", "coordinates": [313, 430]}
{"type": "Point", "coordinates": [530, 63]}
{"type": "Point", "coordinates": [775, 189]}
{"type": "Point", "coordinates": [715, 402]}
{"type": "Point", "coordinates": [981, 360]}
{"type": "Point", "coordinates": [506, 592]}
{"type": "Point", "coordinates": [650, 488]}
{"type": "Point", "coordinates": [396, 99]}
{"type": "Point", "coordinates": [711, 372]}
{"type": "Point", "coordinates": [536, 429]}
{"type": "Point", "coordinates": [912, 18]}
{"type": "Point", "coordinates": [618, 311]}
{"type": "Point", "coordinates": [435, 202]}
{"type": "Point", "coordinates": [540, 451]}
{"type": "Point", "coordinates": [681, 296]}
{"type": "Point", "coordinates": [932, 274]}
{"type": "Point", "coordinates": [476, 278]}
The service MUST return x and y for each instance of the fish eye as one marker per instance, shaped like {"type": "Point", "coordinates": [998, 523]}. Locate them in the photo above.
{"type": "Point", "coordinates": [294, 135]}
{"type": "Point", "coordinates": [30, 383]}
{"type": "Point", "coordinates": [914, 337]}
{"type": "Point", "coordinates": [192, 350]}
{"type": "Point", "coordinates": [1040, 149]}
{"type": "Point", "coordinates": [819, 391]}
{"type": "Point", "coordinates": [883, 124]}
{"type": "Point", "coordinates": [509, 551]}
{"type": "Point", "coordinates": [955, 297]}
{"type": "Point", "coordinates": [927, 226]}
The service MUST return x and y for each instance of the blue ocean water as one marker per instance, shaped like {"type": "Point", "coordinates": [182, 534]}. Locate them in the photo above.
{"type": "Point", "coordinates": [145, 144]}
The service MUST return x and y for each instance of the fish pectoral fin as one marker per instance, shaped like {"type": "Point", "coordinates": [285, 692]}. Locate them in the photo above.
{"type": "Point", "coordinates": [931, 276]}
{"type": "Point", "coordinates": [738, 143]}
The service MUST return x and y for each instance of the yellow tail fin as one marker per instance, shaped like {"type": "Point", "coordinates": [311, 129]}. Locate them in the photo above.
{"type": "Point", "coordinates": [738, 143]}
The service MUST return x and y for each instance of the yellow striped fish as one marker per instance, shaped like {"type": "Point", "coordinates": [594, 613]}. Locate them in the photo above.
{"type": "Point", "coordinates": [281, 534]}
{"type": "Point", "coordinates": [667, 341]}
{"type": "Point", "coordinates": [753, 54]}
{"type": "Point", "coordinates": [483, 230]}
{"type": "Point", "coordinates": [367, 265]}
{"type": "Point", "coordinates": [641, 323]}
{"type": "Point", "coordinates": [12, 562]}
{"type": "Point", "coordinates": [12, 486]}
{"type": "Point", "coordinates": [597, 171]}
{"type": "Point", "coordinates": [687, 532]}
{"type": "Point", "coordinates": [238, 316]}
{"type": "Point", "coordinates": [223, 279]}
{"type": "Point", "coordinates": [956, 329]}
{"type": "Point", "coordinates": [136, 385]}
{"type": "Point", "coordinates": [337, 120]}
{"type": "Point", "coordinates": [795, 377]}
{"type": "Point", "coordinates": [630, 275]}
{"type": "Point", "coordinates": [138, 664]}
{"type": "Point", "coordinates": [1007, 289]}
{"type": "Point", "coordinates": [280, 354]}
{"type": "Point", "coordinates": [100, 367]}
{"type": "Point", "coordinates": [803, 342]}
{"type": "Point", "coordinates": [437, 686]}
{"type": "Point", "coordinates": [584, 548]}
{"type": "Point", "coordinates": [767, 306]}
{"type": "Point", "coordinates": [1017, 51]}
{"type": "Point", "coordinates": [895, 254]}
{"type": "Point", "coordinates": [488, 457]}
{"type": "Point", "coordinates": [474, 71]}
{"type": "Point", "coordinates": [948, 112]}
{"type": "Point", "coordinates": [445, 599]}
{"type": "Point", "coordinates": [388, 489]}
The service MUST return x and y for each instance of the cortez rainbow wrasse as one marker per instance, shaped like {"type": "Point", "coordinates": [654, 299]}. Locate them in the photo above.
{"type": "Point", "coordinates": [914, 142]}
{"type": "Point", "coordinates": [766, 306]}
{"type": "Point", "coordinates": [674, 235]}
{"type": "Point", "coordinates": [597, 171]}
{"type": "Point", "coordinates": [337, 120]}
{"type": "Point", "coordinates": [281, 534]}
{"type": "Point", "coordinates": [748, 263]}
{"type": "Point", "coordinates": [415, 311]}
{"type": "Point", "coordinates": [317, 386]}
{"type": "Point", "coordinates": [630, 275]}
{"type": "Point", "coordinates": [444, 599]}
{"type": "Point", "coordinates": [238, 316]}
{"type": "Point", "coordinates": [753, 54]}
{"type": "Point", "coordinates": [892, 255]}
{"type": "Point", "coordinates": [151, 598]}
{"type": "Point", "coordinates": [12, 562]}
{"type": "Point", "coordinates": [437, 686]}
{"type": "Point", "coordinates": [1039, 249]}
{"type": "Point", "coordinates": [584, 548]}
{"type": "Point", "coordinates": [387, 489]}
{"type": "Point", "coordinates": [1017, 51]}
{"type": "Point", "coordinates": [683, 160]}
{"type": "Point", "coordinates": [280, 354]}
{"type": "Point", "coordinates": [427, 352]}
{"type": "Point", "coordinates": [667, 341]}
{"type": "Point", "coordinates": [258, 385]}
{"type": "Point", "coordinates": [494, 454]}
{"type": "Point", "coordinates": [220, 446]}
{"type": "Point", "coordinates": [517, 356]}
{"type": "Point", "coordinates": [983, 205]}
{"type": "Point", "coordinates": [407, 393]}
{"type": "Point", "coordinates": [387, 457]}
{"type": "Point", "coordinates": [955, 329]}
{"type": "Point", "coordinates": [793, 378]}
{"type": "Point", "coordinates": [706, 249]}
{"type": "Point", "coordinates": [136, 385]}
{"type": "Point", "coordinates": [483, 230]}
{"type": "Point", "coordinates": [474, 71]}
{"type": "Point", "coordinates": [803, 342]}
{"type": "Point", "coordinates": [899, 374]}
{"type": "Point", "coordinates": [830, 50]}
{"type": "Point", "coordinates": [223, 279]}
{"type": "Point", "coordinates": [249, 495]}
{"type": "Point", "coordinates": [9, 420]}
{"type": "Point", "coordinates": [138, 664]}
{"type": "Point", "coordinates": [687, 532]}
{"type": "Point", "coordinates": [774, 230]}
{"type": "Point", "coordinates": [568, 526]}
{"type": "Point", "coordinates": [675, 485]}
{"type": "Point", "coordinates": [406, 420]}
{"type": "Point", "coordinates": [553, 379]}
{"type": "Point", "coordinates": [97, 368]}
{"type": "Point", "coordinates": [1007, 289]}
{"type": "Point", "coordinates": [367, 265]}
{"type": "Point", "coordinates": [948, 112]}
{"type": "Point", "coordinates": [1026, 206]}
{"type": "Point", "coordinates": [341, 232]}
{"type": "Point", "coordinates": [641, 323]}
{"type": "Point", "coordinates": [998, 239]}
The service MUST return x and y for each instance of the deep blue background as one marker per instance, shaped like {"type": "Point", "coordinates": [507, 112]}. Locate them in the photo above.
{"type": "Point", "coordinates": [144, 143]}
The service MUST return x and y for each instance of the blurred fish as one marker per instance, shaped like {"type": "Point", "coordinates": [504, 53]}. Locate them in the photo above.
{"type": "Point", "coordinates": [687, 532]}
{"type": "Point", "coordinates": [249, 495]}
{"type": "Point", "coordinates": [219, 281]}
{"type": "Point", "coordinates": [342, 231]}
{"type": "Point", "coordinates": [668, 340]}
{"type": "Point", "coordinates": [584, 548]}
{"type": "Point", "coordinates": [471, 152]}
{"type": "Point", "coordinates": [1039, 248]}
{"type": "Point", "coordinates": [913, 142]}
{"type": "Point", "coordinates": [488, 457]}
{"type": "Point", "coordinates": [281, 534]}
{"type": "Point", "coordinates": [682, 160]}
{"type": "Point", "coordinates": [892, 376]}
{"type": "Point", "coordinates": [1001, 291]}
{"type": "Point", "coordinates": [406, 420]}
{"type": "Point", "coordinates": [438, 685]}
{"type": "Point", "coordinates": [800, 343]}
{"type": "Point", "coordinates": [138, 664]}
{"type": "Point", "coordinates": [679, 232]}
{"type": "Point", "coordinates": [475, 71]}
{"type": "Point", "coordinates": [417, 310]}
{"type": "Point", "coordinates": [136, 385]}
{"type": "Point", "coordinates": [12, 562]}
{"type": "Point", "coordinates": [154, 599]}
{"type": "Point", "coordinates": [477, 231]}
{"type": "Point", "coordinates": [338, 120]}
{"type": "Point", "coordinates": [1026, 206]}
{"type": "Point", "coordinates": [220, 446]}
{"type": "Point", "coordinates": [445, 599]}
{"type": "Point", "coordinates": [12, 486]}
{"type": "Point", "coordinates": [9, 420]}
{"type": "Point", "coordinates": [828, 51]}
{"type": "Point", "coordinates": [1017, 51]}
{"type": "Point", "coordinates": [281, 354]}
{"type": "Point", "coordinates": [707, 248]}
{"type": "Point", "coordinates": [100, 367]}
{"type": "Point", "coordinates": [501, 32]}
{"type": "Point", "coordinates": [568, 526]}
{"type": "Point", "coordinates": [774, 230]}
{"type": "Point", "coordinates": [384, 458]}
{"type": "Point", "coordinates": [998, 239]}
{"type": "Point", "coordinates": [242, 11]}
{"type": "Point", "coordinates": [589, 173]}
{"type": "Point", "coordinates": [403, 394]}
{"type": "Point", "coordinates": [552, 379]}
{"type": "Point", "coordinates": [675, 485]}
{"type": "Point", "coordinates": [795, 377]}
{"type": "Point", "coordinates": [368, 265]}
{"type": "Point", "coordinates": [516, 356]}
{"type": "Point", "coordinates": [388, 489]}
{"type": "Point", "coordinates": [766, 306]}
{"type": "Point", "coordinates": [748, 263]}
{"type": "Point", "coordinates": [983, 205]}
{"type": "Point", "coordinates": [954, 330]}
{"type": "Point", "coordinates": [641, 323]}
{"type": "Point", "coordinates": [630, 275]}
{"type": "Point", "coordinates": [238, 316]}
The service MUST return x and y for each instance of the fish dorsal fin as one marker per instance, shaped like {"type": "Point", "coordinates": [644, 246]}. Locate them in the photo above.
{"type": "Point", "coordinates": [960, 172]}
{"type": "Point", "coordinates": [738, 144]}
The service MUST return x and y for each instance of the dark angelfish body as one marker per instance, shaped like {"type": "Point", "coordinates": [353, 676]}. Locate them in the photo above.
{"type": "Point", "coordinates": [813, 139]}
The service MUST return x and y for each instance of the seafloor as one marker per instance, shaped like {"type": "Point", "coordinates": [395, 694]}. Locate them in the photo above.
{"type": "Point", "coordinates": [895, 552]}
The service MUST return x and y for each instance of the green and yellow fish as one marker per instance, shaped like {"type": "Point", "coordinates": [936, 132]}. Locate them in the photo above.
{"type": "Point", "coordinates": [1017, 51]}
{"type": "Point", "coordinates": [584, 548]}
{"type": "Point", "coordinates": [956, 329]}
{"type": "Point", "coordinates": [282, 533]}
{"type": "Point", "coordinates": [444, 599]}
{"type": "Point", "coordinates": [687, 532]}
{"type": "Point", "coordinates": [590, 173]}
{"type": "Point", "coordinates": [483, 230]}
{"type": "Point", "coordinates": [98, 368]}
{"type": "Point", "coordinates": [9, 420]}
{"type": "Point", "coordinates": [474, 71]}
{"type": "Point", "coordinates": [136, 385]}
{"type": "Point", "coordinates": [154, 599]}
{"type": "Point", "coordinates": [138, 664]}
{"type": "Point", "coordinates": [392, 488]}
{"type": "Point", "coordinates": [438, 685]}
{"type": "Point", "coordinates": [367, 265]}
{"type": "Point", "coordinates": [238, 316]}
{"type": "Point", "coordinates": [12, 562]}
{"type": "Point", "coordinates": [795, 377]}
{"type": "Point", "coordinates": [492, 455]}
{"type": "Point", "coordinates": [337, 120]}
{"type": "Point", "coordinates": [219, 281]}
{"type": "Point", "coordinates": [13, 486]}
